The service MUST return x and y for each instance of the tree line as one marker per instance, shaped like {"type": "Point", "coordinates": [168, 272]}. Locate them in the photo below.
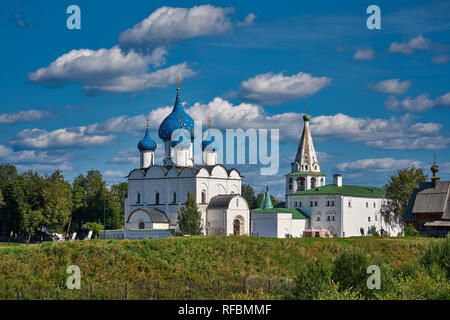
{"type": "Point", "coordinates": [29, 201]}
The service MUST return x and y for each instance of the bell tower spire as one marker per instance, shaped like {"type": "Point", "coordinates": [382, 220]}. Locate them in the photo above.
{"type": "Point", "coordinates": [305, 170]}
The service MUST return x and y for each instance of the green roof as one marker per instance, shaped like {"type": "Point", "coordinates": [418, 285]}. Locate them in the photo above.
{"type": "Point", "coordinates": [305, 173]}
{"type": "Point", "coordinates": [296, 213]}
{"type": "Point", "coordinates": [346, 190]}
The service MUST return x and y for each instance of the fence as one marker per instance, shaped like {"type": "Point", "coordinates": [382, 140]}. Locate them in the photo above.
{"type": "Point", "coordinates": [161, 290]}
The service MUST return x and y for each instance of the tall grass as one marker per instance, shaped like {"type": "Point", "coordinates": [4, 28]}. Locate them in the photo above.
{"type": "Point", "coordinates": [227, 268]}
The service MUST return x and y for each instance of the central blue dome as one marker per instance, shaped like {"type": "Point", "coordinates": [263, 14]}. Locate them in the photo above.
{"type": "Point", "coordinates": [147, 143]}
{"type": "Point", "coordinates": [177, 119]}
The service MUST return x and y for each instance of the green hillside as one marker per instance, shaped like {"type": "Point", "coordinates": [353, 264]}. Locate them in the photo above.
{"type": "Point", "coordinates": [228, 268]}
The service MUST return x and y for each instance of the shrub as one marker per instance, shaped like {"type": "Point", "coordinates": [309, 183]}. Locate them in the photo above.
{"type": "Point", "coordinates": [95, 227]}
{"type": "Point", "coordinates": [409, 230]}
{"type": "Point", "coordinates": [314, 278]}
{"type": "Point", "coordinates": [349, 269]}
{"type": "Point", "coordinates": [438, 253]}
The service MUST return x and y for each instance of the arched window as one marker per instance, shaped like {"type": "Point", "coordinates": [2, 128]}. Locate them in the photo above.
{"type": "Point", "coordinates": [174, 200]}
{"type": "Point", "coordinates": [203, 196]}
{"type": "Point", "coordinates": [295, 204]}
{"type": "Point", "coordinates": [138, 198]}
{"type": "Point", "coordinates": [141, 225]}
{"type": "Point", "coordinates": [300, 204]}
{"type": "Point", "coordinates": [322, 181]}
{"type": "Point", "coordinates": [157, 197]}
{"type": "Point", "coordinates": [301, 183]}
{"type": "Point", "coordinates": [313, 182]}
{"type": "Point", "coordinates": [237, 202]}
{"type": "Point", "coordinates": [306, 167]}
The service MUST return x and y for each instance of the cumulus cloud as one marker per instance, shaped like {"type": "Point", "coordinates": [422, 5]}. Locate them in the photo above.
{"type": "Point", "coordinates": [377, 165]}
{"type": "Point", "coordinates": [419, 104]}
{"type": "Point", "coordinates": [444, 99]}
{"type": "Point", "coordinates": [414, 143]}
{"type": "Point", "coordinates": [248, 20]}
{"type": "Point", "coordinates": [167, 24]}
{"type": "Point", "coordinates": [108, 174]}
{"type": "Point", "coordinates": [364, 54]}
{"type": "Point", "coordinates": [126, 156]}
{"type": "Point", "coordinates": [440, 59]}
{"type": "Point", "coordinates": [393, 133]}
{"type": "Point", "coordinates": [269, 88]}
{"type": "Point", "coordinates": [76, 137]}
{"type": "Point", "coordinates": [23, 116]}
{"type": "Point", "coordinates": [110, 70]}
{"type": "Point", "coordinates": [7, 154]}
{"type": "Point", "coordinates": [408, 48]}
{"type": "Point", "coordinates": [391, 86]}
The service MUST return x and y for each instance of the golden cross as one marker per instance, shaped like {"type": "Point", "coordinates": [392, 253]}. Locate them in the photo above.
{"type": "Point", "coordinates": [209, 122]}
{"type": "Point", "coordinates": [306, 109]}
{"type": "Point", "coordinates": [147, 121]}
{"type": "Point", "coordinates": [178, 83]}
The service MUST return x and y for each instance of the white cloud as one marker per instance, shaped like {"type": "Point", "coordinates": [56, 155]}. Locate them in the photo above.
{"type": "Point", "coordinates": [444, 99]}
{"type": "Point", "coordinates": [377, 165]}
{"type": "Point", "coordinates": [417, 43]}
{"type": "Point", "coordinates": [364, 54]}
{"type": "Point", "coordinates": [7, 154]}
{"type": "Point", "coordinates": [408, 143]}
{"type": "Point", "coordinates": [440, 59]}
{"type": "Point", "coordinates": [158, 79]}
{"type": "Point", "coordinates": [109, 70]}
{"type": "Point", "coordinates": [127, 156]}
{"type": "Point", "coordinates": [23, 116]}
{"type": "Point", "coordinates": [391, 86]}
{"type": "Point", "coordinates": [419, 104]}
{"type": "Point", "coordinates": [76, 137]}
{"type": "Point", "coordinates": [380, 133]}
{"type": "Point", "coordinates": [167, 24]}
{"type": "Point", "coordinates": [248, 20]}
{"type": "Point", "coordinates": [269, 88]}
{"type": "Point", "coordinates": [110, 174]}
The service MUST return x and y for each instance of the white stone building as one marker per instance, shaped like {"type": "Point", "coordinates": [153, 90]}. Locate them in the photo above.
{"type": "Point", "coordinates": [156, 192]}
{"type": "Point", "coordinates": [313, 208]}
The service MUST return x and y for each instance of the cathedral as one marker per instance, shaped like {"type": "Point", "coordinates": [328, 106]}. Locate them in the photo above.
{"type": "Point", "coordinates": [157, 192]}
{"type": "Point", "coordinates": [312, 208]}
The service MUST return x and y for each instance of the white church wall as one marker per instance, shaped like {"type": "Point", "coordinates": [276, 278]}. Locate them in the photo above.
{"type": "Point", "coordinates": [217, 220]}
{"type": "Point", "coordinates": [265, 225]}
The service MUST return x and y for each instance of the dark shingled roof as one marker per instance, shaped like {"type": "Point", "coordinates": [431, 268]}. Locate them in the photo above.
{"type": "Point", "coordinates": [156, 216]}
{"type": "Point", "coordinates": [221, 201]}
{"type": "Point", "coordinates": [195, 169]}
{"type": "Point", "coordinates": [429, 198]}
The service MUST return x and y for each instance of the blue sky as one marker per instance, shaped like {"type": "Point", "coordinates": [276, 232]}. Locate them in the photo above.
{"type": "Point", "coordinates": [379, 99]}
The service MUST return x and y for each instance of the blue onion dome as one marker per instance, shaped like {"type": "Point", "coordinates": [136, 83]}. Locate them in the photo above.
{"type": "Point", "coordinates": [182, 142]}
{"type": "Point", "coordinates": [177, 119]}
{"type": "Point", "coordinates": [147, 143]}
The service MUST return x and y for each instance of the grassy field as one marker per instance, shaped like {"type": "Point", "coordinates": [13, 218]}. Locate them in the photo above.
{"type": "Point", "coordinates": [227, 268]}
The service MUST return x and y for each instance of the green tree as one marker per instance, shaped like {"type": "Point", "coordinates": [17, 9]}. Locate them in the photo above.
{"type": "Point", "coordinates": [398, 192]}
{"type": "Point", "coordinates": [57, 202]}
{"type": "Point", "coordinates": [189, 218]}
{"type": "Point", "coordinates": [30, 221]}
{"type": "Point", "coordinates": [249, 195]}
{"type": "Point", "coordinates": [15, 207]}
{"type": "Point", "coordinates": [95, 227]}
